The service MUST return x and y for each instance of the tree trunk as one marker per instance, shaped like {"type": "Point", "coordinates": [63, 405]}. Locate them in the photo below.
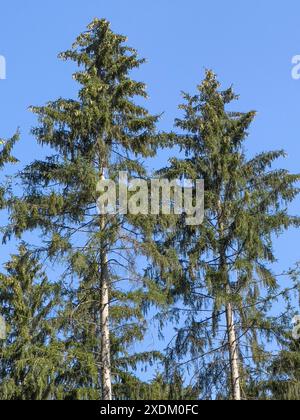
{"type": "Point", "coordinates": [105, 338]}
{"type": "Point", "coordinates": [104, 323]}
{"type": "Point", "coordinates": [233, 354]}
{"type": "Point", "coordinates": [231, 330]}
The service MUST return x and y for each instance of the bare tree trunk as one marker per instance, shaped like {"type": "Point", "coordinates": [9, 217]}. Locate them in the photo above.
{"type": "Point", "coordinates": [233, 354]}
{"type": "Point", "coordinates": [231, 330]}
{"type": "Point", "coordinates": [105, 338]}
{"type": "Point", "coordinates": [104, 324]}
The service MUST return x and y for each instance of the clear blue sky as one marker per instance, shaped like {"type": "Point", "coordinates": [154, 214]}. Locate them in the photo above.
{"type": "Point", "coordinates": [249, 44]}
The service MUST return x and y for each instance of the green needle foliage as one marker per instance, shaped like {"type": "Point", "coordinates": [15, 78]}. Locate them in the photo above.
{"type": "Point", "coordinates": [6, 147]}
{"type": "Point", "coordinates": [6, 150]}
{"type": "Point", "coordinates": [284, 375]}
{"type": "Point", "coordinates": [31, 356]}
{"type": "Point", "coordinates": [82, 329]}
{"type": "Point", "coordinates": [280, 380]}
{"type": "Point", "coordinates": [158, 389]}
{"type": "Point", "coordinates": [226, 262]}
{"type": "Point", "coordinates": [102, 128]}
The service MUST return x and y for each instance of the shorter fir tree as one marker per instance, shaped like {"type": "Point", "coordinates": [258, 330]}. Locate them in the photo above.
{"type": "Point", "coordinates": [224, 290]}
{"type": "Point", "coordinates": [31, 356]}
{"type": "Point", "coordinates": [284, 382]}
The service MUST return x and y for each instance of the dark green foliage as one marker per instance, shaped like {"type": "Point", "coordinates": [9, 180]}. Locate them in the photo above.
{"type": "Point", "coordinates": [6, 157]}
{"type": "Point", "coordinates": [31, 356]}
{"type": "Point", "coordinates": [284, 374]}
{"type": "Point", "coordinates": [6, 150]}
{"type": "Point", "coordinates": [82, 329]}
{"type": "Point", "coordinates": [157, 389]}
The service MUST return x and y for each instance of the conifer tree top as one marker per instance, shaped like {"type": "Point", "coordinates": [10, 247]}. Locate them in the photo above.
{"type": "Point", "coordinates": [105, 116]}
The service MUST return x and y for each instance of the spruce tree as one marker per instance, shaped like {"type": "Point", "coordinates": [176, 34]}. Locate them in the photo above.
{"type": "Point", "coordinates": [280, 377]}
{"type": "Point", "coordinates": [31, 355]}
{"type": "Point", "coordinates": [222, 294]}
{"type": "Point", "coordinates": [280, 380]}
{"type": "Point", "coordinates": [103, 129]}
{"type": "Point", "coordinates": [284, 374]}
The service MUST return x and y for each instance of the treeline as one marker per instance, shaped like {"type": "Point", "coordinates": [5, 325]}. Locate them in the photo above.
{"type": "Point", "coordinates": [74, 337]}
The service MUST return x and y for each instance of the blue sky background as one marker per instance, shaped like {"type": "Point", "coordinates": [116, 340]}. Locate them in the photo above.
{"type": "Point", "coordinates": [249, 44]}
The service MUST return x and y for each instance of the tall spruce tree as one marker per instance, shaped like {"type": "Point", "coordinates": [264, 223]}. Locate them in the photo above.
{"type": "Point", "coordinates": [222, 294]}
{"type": "Point", "coordinates": [31, 356]}
{"type": "Point", "coordinates": [103, 129]}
